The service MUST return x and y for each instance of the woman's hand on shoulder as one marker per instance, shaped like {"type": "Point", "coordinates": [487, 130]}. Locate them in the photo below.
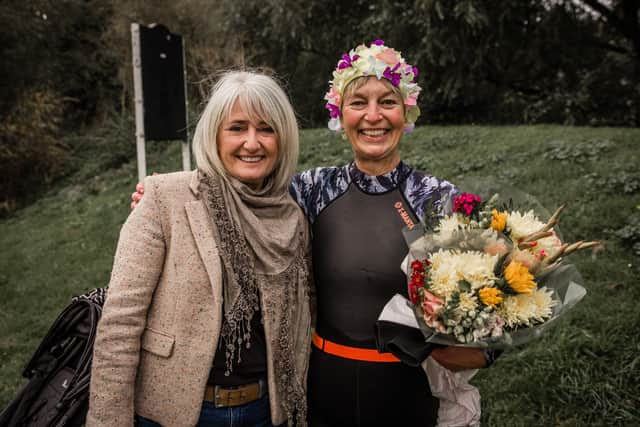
{"type": "Point", "coordinates": [136, 196]}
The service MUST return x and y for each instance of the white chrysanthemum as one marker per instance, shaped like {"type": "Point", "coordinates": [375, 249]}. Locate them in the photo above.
{"type": "Point", "coordinates": [468, 301]}
{"type": "Point", "coordinates": [443, 276]}
{"type": "Point", "coordinates": [518, 310]}
{"type": "Point", "coordinates": [447, 227]}
{"type": "Point", "coordinates": [477, 268]}
{"type": "Point", "coordinates": [543, 303]}
{"type": "Point", "coordinates": [450, 267]}
{"type": "Point", "coordinates": [521, 225]}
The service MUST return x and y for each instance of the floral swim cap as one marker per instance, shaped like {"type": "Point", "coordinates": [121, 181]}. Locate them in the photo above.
{"type": "Point", "coordinates": [380, 61]}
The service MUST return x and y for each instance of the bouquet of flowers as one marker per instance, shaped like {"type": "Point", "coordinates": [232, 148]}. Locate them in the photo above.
{"type": "Point", "coordinates": [490, 276]}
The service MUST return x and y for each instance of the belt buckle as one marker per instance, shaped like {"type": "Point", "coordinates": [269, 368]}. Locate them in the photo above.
{"type": "Point", "coordinates": [225, 397]}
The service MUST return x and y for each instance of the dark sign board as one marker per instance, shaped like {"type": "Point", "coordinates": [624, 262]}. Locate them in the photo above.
{"type": "Point", "coordinates": [163, 84]}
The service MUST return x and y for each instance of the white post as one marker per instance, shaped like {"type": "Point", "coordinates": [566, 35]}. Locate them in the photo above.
{"type": "Point", "coordinates": [138, 97]}
{"type": "Point", "coordinates": [186, 145]}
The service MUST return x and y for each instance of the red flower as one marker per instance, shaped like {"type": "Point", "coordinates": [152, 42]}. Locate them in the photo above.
{"type": "Point", "coordinates": [413, 293]}
{"type": "Point", "coordinates": [418, 279]}
{"type": "Point", "coordinates": [466, 203]}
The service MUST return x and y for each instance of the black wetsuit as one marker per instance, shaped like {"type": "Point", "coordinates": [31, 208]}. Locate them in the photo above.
{"type": "Point", "coordinates": [357, 250]}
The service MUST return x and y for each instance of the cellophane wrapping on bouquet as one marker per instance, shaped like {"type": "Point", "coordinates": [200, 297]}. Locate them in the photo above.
{"type": "Point", "coordinates": [490, 272]}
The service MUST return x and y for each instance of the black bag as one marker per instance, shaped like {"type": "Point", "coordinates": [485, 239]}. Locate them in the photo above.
{"type": "Point", "coordinates": [57, 393]}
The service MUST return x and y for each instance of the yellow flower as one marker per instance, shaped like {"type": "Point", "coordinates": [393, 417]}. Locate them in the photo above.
{"type": "Point", "coordinates": [519, 278]}
{"type": "Point", "coordinates": [490, 296]}
{"type": "Point", "coordinates": [498, 220]}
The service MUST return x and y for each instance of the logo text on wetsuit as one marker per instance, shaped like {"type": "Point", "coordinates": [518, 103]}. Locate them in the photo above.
{"type": "Point", "coordinates": [404, 215]}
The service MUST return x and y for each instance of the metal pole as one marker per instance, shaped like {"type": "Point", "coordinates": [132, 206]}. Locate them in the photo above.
{"type": "Point", "coordinates": [186, 146]}
{"type": "Point", "coordinates": [138, 97]}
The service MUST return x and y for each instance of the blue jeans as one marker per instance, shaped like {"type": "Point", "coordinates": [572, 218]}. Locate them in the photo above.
{"type": "Point", "coordinates": [253, 414]}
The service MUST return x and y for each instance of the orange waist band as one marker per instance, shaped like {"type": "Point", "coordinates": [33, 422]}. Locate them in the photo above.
{"type": "Point", "coordinates": [355, 353]}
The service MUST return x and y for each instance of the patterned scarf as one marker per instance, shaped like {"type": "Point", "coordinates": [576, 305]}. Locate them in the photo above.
{"type": "Point", "coordinates": [260, 234]}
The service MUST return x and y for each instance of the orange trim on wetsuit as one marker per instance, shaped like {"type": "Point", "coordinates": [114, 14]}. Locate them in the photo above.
{"type": "Point", "coordinates": [354, 353]}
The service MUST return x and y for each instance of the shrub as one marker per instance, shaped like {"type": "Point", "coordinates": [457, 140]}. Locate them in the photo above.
{"type": "Point", "coordinates": [31, 151]}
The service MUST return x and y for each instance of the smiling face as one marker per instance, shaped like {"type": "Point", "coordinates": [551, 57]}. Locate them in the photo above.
{"type": "Point", "coordinates": [373, 120]}
{"type": "Point", "coordinates": [248, 149]}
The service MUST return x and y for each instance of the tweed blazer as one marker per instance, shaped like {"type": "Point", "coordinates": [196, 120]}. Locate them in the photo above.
{"type": "Point", "coordinates": [161, 321]}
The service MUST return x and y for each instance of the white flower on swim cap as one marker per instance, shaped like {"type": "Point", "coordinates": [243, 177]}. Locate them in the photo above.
{"type": "Point", "coordinates": [382, 62]}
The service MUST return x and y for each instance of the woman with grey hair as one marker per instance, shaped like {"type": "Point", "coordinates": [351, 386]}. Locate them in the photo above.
{"type": "Point", "coordinates": [207, 317]}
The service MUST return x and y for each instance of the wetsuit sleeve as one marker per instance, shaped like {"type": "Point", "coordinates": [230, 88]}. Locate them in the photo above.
{"type": "Point", "coordinates": [429, 196]}
{"type": "Point", "coordinates": [448, 192]}
{"type": "Point", "coordinates": [301, 189]}
{"type": "Point", "coordinates": [315, 189]}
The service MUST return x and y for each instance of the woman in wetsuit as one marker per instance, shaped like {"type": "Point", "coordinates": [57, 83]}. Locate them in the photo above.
{"type": "Point", "coordinates": [356, 213]}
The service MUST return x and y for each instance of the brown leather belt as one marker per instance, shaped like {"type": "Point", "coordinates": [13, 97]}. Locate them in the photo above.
{"type": "Point", "coordinates": [223, 397]}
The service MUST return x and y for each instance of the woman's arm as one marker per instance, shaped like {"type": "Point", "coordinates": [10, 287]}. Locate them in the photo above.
{"type": "Point", "coordinates": [136, 270]}
{"type": "Point", "coordinates": [460, 358]}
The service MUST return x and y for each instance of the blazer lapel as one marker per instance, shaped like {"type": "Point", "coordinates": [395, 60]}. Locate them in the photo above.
{"type": "Point", "coordinates": [200, 224]}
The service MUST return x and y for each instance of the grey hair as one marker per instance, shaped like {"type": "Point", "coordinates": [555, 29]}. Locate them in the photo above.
{"type": "Point", "coordinates": [262, 99]}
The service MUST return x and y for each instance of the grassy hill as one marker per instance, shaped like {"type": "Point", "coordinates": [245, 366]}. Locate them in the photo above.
{"type": "Point", "coordinates": [585, 372]}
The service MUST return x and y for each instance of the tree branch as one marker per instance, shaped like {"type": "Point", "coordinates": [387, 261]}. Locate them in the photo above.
{"type": "Point", "coordinates": [600, 8]}
{"type": "Point", "coordinates": [592, 41]}
{"type": "Point", "coordinates": [610, 16]}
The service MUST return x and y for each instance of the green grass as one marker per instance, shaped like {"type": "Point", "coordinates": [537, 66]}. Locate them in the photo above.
{"type": "Point", "coordinates": [584, 372]}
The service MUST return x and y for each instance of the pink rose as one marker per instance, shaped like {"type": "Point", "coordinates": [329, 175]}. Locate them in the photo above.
{"type": "Point", "coordinates": [389, 56]}
{"type": "Point", "coordinates": [431, 306]}
{"type": "Point", "coordinates": [411, 100]}
{"type": "Point", "coordinates": [334, 95]}
{"type": "Point", "coordinates": [496, 248]}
